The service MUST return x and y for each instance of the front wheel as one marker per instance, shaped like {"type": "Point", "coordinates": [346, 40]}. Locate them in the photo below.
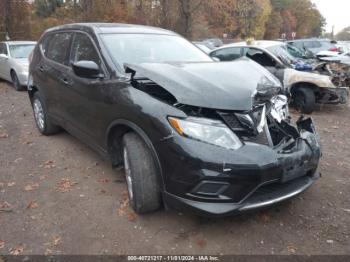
{"type": "Point", "coordinates": [304, 99]}
{"type": "Point", "coordinates": [15, 81]}
{"type": "Point", "coordinates": [42, 119]}
{"type": "Point", "coordinates": [142, 176]}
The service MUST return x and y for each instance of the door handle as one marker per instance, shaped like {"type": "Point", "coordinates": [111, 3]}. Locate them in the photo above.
{"type": "Point", "coordinates": [65, 81]}
{"type": "Point", "coordinates": [41, 69]}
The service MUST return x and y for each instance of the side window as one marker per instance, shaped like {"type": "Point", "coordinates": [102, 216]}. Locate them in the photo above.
{"type": "Point", "coordinates": [84, 50]}
{"type": "Point", "coordinates": [299, 44]}
{"type": "Point", "coordinates": [228, 54]}
{"type": "Point", "coordinates": [3, 49]}
{"type": "Point", "coordinates": [309, 44]}
{"type": "Point", "coordinates": [317, 44]}
{"type": "Point", "coordinates": [45, 44]}
{"type": "Point", "coordinates": [58, 48]}
{"type": "Point", "coordinates": [260, 57]}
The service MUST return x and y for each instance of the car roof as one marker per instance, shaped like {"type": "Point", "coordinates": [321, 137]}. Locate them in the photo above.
{"type": "Point", "coordinates": [310, 39]}
{"type": "Point", "coordinates": [112, 28]}
{"type": "Point", "coordinates": [20, 42]}
{"type": "Point", "coordinates": [258, 44]}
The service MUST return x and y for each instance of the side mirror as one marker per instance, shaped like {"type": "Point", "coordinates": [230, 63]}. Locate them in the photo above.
{"type": "Point", "coordinates": [87, 69]}
{"type": "Point", "coordinates": [4, 56]}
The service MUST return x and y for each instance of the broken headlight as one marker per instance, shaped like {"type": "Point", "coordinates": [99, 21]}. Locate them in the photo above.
{"type": "Point", "coordinates": [206, 130]}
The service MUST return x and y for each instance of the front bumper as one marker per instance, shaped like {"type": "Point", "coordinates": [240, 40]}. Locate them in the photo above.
{"type": "Point", "coordinates": [264, 197]}
{"type": "Point", "coordinates": [211, 182]}
{"type": "Point", "coordinates": [337, 95]}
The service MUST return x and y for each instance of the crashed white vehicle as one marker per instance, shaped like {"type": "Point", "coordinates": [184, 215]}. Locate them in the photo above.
{"type": "Point", "coordinates": [14, 62]}
{"type": "Point", "coordinates": [322, 85]}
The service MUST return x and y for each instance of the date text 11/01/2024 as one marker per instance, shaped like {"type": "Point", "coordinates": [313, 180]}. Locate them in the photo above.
{"type": "Point", "coordinates": [173, 258]}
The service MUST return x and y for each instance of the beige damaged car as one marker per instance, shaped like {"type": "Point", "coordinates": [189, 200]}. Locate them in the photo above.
{"type": "Point", "coordinates": [326, 84]}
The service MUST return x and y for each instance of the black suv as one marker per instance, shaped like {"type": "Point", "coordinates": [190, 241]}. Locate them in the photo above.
{"type": "Point", "coordinates": [189, 131]}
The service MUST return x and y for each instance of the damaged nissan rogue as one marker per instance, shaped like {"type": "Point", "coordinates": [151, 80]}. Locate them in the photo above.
{"type": "Point", "coordinates": [191, 133]}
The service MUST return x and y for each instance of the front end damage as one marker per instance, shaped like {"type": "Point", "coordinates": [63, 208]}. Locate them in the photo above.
{"type": "Point", "coordinates": [273, 160]}
{"type": "Point", "coordinates": [339, 74]}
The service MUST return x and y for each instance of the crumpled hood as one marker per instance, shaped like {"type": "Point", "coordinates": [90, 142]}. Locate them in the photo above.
{"type": "Point", "coordinates": [216, 85]}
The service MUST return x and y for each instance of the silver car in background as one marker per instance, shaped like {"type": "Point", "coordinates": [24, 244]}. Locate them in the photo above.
{"type": "Point", "coordinates": [14, 62]}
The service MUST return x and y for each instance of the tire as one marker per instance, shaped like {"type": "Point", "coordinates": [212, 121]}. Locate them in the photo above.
{"type": "Point", "coordinates": [42, 119]}
{"type": "Point", "coordinates": [304, 100]}
{"type": "Point", "coordinates": [142, 176]}
{"type": "Point", "coordinates": [15, 82]}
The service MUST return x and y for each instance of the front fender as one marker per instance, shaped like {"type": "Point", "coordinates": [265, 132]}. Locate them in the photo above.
{"type": "Point", "coordinates": [293, 77]}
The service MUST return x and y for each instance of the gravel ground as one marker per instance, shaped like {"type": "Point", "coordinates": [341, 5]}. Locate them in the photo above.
{"type": "Point", "coordinates": [57, 196]}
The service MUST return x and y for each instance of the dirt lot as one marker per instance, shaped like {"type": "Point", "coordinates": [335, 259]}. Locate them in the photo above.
{"type": "Point", "coordinates": [59, 197]}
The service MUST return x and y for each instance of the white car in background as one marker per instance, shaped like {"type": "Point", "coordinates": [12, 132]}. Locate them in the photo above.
{"type": "Point", "coordinates": [344, 58]}
{"type": "Point", "coordinates": [306, 88]}
{"type": "Point", "coordinates": [14, 62]}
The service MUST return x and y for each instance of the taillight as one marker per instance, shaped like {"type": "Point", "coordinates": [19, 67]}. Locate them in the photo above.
{"type": "Point", "coordinates": [333, 49]}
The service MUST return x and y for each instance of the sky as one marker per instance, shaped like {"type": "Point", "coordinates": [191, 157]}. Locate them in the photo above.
{"type": "Point", "coordinates": [336, 12]}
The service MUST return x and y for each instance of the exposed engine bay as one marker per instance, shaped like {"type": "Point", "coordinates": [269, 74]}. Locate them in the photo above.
{"type": "Point", "coordinates": [268, 123]}
{"type": "Point", "coordinates": [340, 73]}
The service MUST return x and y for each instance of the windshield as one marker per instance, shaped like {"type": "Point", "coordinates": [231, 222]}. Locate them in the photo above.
{"type": "Point", "coordinates": [281, 52]}
{"type": "Point", "coordinates": [151, 48]}
{"type": "Point", "coordinates": [21, 51]}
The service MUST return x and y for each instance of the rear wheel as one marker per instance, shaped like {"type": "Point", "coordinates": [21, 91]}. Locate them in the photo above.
{"type": "Point", "coordinates": [42, 119]}
{"type": "Point", "coordinates": [304, 99]}
{"type": "Point", "coordinates": [15, 82]}
{"type": "Point", "coordinates": [141, 175]}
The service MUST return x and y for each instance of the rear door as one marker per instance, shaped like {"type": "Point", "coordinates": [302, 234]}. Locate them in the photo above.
{"type": "Point", "coordinates": [52, 72]}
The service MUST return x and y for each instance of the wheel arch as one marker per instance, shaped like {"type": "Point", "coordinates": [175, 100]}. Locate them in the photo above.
{"type": "Point", "coordinates": [114, 137]}
{"type": "Point", "coordinates": [31, 91]}
{"type": "Point", "coordinates": [297, 85]}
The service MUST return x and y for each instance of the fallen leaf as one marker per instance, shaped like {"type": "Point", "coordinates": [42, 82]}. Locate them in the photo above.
{"type": "Point", "coordinates": [65, 185]}
{"type": "Point", "coordinates": [32, 205]}
{"type": "Point", "coordinates": [56, 241]}
{"type": "Point", "coordinates": [2, 244]}
{"type": "Point", "coordinates": [103, 180]}
{"type": "Point", "coordinates": [124, 204]}
{"type": "Point", "coordinates": [18, 159]}
{"type": "Point", "coordinates": [132, 217]}
{"type": "Point", "coordinates": [4, 135]}
{"type": "Point", "coordinates": [49, 164]}
{"type": "Point", "coordinates": [42, 177]}
{"type": "Point", "coordinates": [102, 191]}
{"type": "Point", "coordinates": [11, 184]}
{"type": "Point", "coordinates": [5, 207]}
{"type": "Point", "coordinates": [31, 187]}
{"type": "Point", "coordinates": [201, 243]}
{"type": "Point", "coordinates": [48, 252]}
{"type": "Point", "coordinates": [265, 217]}
{"type": "Point", "coordinates": [17, 250]}
{"type": "Point", "coordinates": [292, 249]}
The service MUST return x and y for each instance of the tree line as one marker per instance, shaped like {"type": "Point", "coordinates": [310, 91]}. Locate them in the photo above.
{"type": "Point", "coordinates": [195, 19]}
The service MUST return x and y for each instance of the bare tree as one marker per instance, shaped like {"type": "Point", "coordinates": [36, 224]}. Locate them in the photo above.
{"type": "Point", "coordinates": [187, 11]}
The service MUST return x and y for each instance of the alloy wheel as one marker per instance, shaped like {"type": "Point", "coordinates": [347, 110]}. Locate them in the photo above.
{"type": "Point", "coordinates": [39, 114]}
